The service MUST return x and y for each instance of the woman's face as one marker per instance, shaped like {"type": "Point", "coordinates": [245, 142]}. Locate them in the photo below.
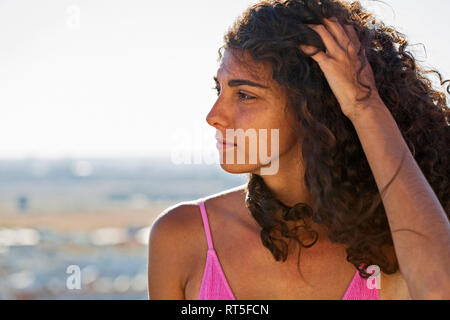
{"type": "Point", "coordinates": [255, 108]}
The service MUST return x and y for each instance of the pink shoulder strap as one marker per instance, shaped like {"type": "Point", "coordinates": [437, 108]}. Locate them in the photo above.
{"type": "Point", "coordinates": [359, 289]}
{"type": "Point", "coordinates": [201, 204]}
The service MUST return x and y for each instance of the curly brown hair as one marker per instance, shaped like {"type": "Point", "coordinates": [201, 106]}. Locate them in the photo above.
{"type": "Point", "coordinates": [345, 197]}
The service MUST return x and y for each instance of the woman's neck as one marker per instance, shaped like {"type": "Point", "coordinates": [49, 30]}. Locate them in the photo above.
{"type": "Point", "coordinates": [287, 185]}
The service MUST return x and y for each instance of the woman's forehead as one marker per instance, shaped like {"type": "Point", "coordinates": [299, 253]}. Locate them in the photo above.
{"type": "Point", "coordinates": [244, 67]}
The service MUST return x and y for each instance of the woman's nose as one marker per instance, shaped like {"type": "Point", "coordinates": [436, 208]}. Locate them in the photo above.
{"type": "Point", "coordinates": [218, 116]}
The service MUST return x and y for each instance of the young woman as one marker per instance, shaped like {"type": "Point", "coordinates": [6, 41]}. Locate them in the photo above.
{"type": "Point", "coordinates": [362, 175]}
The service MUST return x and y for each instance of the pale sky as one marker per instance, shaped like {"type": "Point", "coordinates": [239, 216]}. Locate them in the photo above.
{"type": "Point", "coordinates": [102, 78]}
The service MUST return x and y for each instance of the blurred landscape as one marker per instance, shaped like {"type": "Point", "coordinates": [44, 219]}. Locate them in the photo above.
{"type": "Point", "coordinates": [90, 213]}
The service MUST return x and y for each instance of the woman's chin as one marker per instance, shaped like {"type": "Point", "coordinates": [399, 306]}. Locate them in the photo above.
{"type": "Point", "coordinates": [239, 168]}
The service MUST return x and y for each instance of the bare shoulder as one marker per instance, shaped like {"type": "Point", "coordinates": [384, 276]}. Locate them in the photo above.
{"type": "Point", "coordinates": [183, 218]}
{"type": "Point", "coordinates": [229, 203]}
{"type": "Point", "coordinates": [169, 251]}
{"type": "Point", "coordinates": [177, 243]}
{"type": "Point", "coordinates": [177, 226]}
{"type": "Point", "coordinates": [175, 218]}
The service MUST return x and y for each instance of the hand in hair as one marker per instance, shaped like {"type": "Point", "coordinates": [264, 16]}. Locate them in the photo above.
{"type": "Point", "coordinates": [346, 69]}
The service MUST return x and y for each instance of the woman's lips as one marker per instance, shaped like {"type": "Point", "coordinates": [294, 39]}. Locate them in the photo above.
{"type": "Point", "coordinates": [224, 145]}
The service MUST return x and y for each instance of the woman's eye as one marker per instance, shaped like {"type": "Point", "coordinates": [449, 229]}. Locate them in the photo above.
{"type": "Point", "coordinates": [217, 89]}
{"type": "Point", "coordinates": [242, 96]}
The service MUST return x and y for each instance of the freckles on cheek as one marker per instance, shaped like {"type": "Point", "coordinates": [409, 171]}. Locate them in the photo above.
{"type": "Point", "coordinates": [247, 119]}
{"type": "Point", "coordinates": [260, 115]}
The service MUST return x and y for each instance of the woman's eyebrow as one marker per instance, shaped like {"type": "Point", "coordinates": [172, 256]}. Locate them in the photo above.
{"type": "Point", "coordinates": [241, 82]}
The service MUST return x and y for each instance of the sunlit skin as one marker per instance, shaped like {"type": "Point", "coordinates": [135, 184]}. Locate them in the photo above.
{"type": "Point", "coordinates": [247, 107]}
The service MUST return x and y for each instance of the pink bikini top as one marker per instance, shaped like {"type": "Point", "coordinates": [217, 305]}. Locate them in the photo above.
{"type": "Point", "coordinates": [215, 286]}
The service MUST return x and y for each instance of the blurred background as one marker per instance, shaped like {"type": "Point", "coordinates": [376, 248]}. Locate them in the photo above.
{"type": "Point", "coordinates": [103, 127]}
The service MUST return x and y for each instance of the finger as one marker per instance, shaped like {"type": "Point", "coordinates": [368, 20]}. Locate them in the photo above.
{"type": "Point", "coordinates": [330, 42]}
{"type": "Point", "coordinates": [351, 32]}
{"type": "Point", "coordinates": [339, 33]}
{"type": "Point", "coordinates": [319, 57]}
